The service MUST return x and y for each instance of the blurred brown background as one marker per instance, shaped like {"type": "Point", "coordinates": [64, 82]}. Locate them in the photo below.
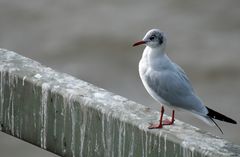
{"type": "Point", "coordinates": [91, 40]}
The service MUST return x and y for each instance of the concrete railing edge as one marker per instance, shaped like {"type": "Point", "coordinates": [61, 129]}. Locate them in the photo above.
{"type": "Point", "coordinates": [71, 117]}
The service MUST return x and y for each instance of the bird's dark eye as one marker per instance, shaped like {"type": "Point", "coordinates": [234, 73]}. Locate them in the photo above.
{"type": "Point", "coordinates": [152, 37]}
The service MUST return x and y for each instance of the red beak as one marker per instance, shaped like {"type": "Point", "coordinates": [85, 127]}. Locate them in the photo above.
{"type": "Point", "coordinates": [139, 43]}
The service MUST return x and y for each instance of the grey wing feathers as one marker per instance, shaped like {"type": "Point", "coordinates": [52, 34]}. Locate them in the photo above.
{"type": "Point", "coordinates": [174, 87]}
{"type": "Point", "coordinates": [183, 75]}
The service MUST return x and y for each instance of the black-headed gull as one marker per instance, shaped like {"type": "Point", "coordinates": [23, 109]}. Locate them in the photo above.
{"type": "Point", "coordinates": [168, 84]}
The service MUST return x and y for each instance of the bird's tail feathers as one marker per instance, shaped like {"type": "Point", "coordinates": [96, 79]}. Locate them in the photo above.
{"type": "Point", "coordinates": [216, 124]}
{"type": "Point", "coordinates": [216, 115]}
{"type": "Point", "coordinates": [205, 119]}
{"type": "Point", "coordinates": [208, 120]}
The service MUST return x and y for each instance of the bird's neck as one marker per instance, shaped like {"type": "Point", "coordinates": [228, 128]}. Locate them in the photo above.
{"type": "Point", "coordinates": [155, 58]}
{"type": "Point", "coordinates": [154, 53]}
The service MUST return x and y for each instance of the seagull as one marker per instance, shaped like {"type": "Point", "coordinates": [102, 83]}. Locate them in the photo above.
{"type": "Point", "coordinates": [168, 84]}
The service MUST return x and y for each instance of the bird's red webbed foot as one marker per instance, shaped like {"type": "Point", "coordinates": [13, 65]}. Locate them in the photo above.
{"type": "Point", "coordinates": [155, 126]}
{"type": "Point", "coordinates": [169, 122]}
{"type": "Point", "coordinates": [163, 122]}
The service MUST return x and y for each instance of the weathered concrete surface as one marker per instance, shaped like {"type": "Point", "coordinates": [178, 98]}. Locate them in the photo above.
{"type": "Point", "coordinates": [71, 117]}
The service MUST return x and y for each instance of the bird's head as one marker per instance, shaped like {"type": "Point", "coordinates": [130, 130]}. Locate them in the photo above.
{"type": "Point", "coordinates": [154, 39]}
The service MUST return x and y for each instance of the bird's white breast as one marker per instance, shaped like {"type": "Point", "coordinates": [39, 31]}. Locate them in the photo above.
{"type": "Point", "coordinates": [149, 63]}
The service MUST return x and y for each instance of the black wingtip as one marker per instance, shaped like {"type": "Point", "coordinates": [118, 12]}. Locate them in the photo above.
{"type": "Point", "coordinates": [219, 116]}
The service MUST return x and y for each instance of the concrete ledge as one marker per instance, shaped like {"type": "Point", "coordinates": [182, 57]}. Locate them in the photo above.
{"type": "Point", "coordinates": [73, 118]}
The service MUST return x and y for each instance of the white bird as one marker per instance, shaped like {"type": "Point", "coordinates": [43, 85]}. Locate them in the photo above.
{"type": "Point", "coordinates": [168, 84]}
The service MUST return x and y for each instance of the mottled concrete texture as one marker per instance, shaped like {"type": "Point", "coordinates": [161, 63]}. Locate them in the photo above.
{"type": "Point", "coordinates": [73, 118]}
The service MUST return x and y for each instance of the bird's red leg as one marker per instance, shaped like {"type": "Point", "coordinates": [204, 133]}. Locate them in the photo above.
{"type": "Point", "coordinates": [169, 122]}
{"type": "Point", "coordinates": [158, 126]}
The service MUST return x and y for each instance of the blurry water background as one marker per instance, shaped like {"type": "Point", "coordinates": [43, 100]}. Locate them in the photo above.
{"type": "Point", "coordinates": [91, 40]}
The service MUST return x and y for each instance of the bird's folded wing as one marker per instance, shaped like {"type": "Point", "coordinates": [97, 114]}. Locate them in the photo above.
{"type": "Point", "coordinates": [174, 87]}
